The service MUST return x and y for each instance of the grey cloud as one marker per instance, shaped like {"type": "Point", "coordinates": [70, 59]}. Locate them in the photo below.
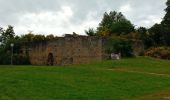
{"type": "Point", "coordinates": [12, 10]}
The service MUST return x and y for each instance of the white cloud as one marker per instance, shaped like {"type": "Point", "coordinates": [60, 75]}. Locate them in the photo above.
{"type": "Point", "coordinates": [57, 23]}
{"type": "Point", "coordinates": [143, 14]}
{"type": "Point", "coordinates": [125, 8]}
{"type": "Point", "coordinates": [154, 19]}
{"type": "Point", "coordinates": [149, 20]}
{"type": "Point", "coordinates": [45, 22]}
{"type": "Point", "coordinates": [66, 16]}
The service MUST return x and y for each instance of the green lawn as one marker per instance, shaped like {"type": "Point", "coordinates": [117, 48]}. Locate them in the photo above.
{"type": "Point", "coordinates": [131, 78]}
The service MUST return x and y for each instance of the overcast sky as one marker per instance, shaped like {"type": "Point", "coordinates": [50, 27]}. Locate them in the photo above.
{"type": "Point", "coordinates": [67, 16]}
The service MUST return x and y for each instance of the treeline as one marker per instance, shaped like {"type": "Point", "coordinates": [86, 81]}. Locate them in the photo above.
{"type": "Point", "coordinates": [8, 37]}
{"type": "Point", "coordinates": [115, 25]}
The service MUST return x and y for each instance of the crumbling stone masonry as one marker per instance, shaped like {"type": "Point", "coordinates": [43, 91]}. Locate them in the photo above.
{"type": "Point", "coordinates": [66, 50]}
{"type": "Point", "coordinates": [72, 50]}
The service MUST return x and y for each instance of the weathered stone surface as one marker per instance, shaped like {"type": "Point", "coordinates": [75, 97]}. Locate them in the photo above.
{"type": "Point", "coordinates": [66, 50]}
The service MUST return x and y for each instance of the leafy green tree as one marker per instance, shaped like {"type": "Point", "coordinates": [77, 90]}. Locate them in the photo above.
{"type": "Point", "coordinates": [6, 38]}
{"type": "Point", "coordinates": [6, 35]}
{"type": "Point", "coordinates": [27, 37]}
{"type": "Point", "coordinates": [145, 37]}
{"type": "Point", "coordinates": [156, 33]}
{"type": "Point", "coordinates": [90, 32]}
{"type": "Point", "coordinates": [166, 20]}
{"type": "Point", "coordinates": [114, 22]}
{"type": "Point", "coordinates": [50, 37]}
{"type": "Point", "coordinates": [122, 27]}
{"type": "Point", "coordinates": [166, 24]}
{"type": "Point", "coordinates": [118, 45]}
{"type": "Point", "coordinates": [160, 33]}
{"type": "Point", "coordinates": [39, 38]}
{"type": "Point", "coordinates": [142, 31]}
{"type": "Point", "coordinates": [1, 32]}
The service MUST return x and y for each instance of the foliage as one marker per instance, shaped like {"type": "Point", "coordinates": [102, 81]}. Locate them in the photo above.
{"type": "Point", "coordinates": [166, 20]}
{"type": "Point", "coordinates": [122, 27]}
{"type": "Point", "coordinates": [39, 37]}
{"type": "Point", "coordinates": [166, 25]}
{"type": "Point", "coordinates": [30, 37]}
{"type": "Point", "coordinates": [131, 36]}
{"type": "Point", "coordinates": [5, 56]}
{"type": "Point", "coordinates": [27, 37]}
{"type": "Point", "coordinates": [19, 59]}
{"type": "Point", "coordinates": [6, 35]}
{"type": "Point", "coordinates": [50, 37]}
{"type": "Point", "coordinates": [114, 23]}
{"type": "Point", "coordinates": [103, 31]}
{"type": "Point", "coordinates": [90, 32]}
{"type": "Point", "coordinates": [145, 36]}
{"type": "Point", "coordinates": [142, 32]}
{"type": "Point", "coordinates": [159, 52]}
{"type": "Point", "coordinates": [1, 32]}
{"type": "Point", "coordinates": [157, 32]}
{"type": "Point", "coordinates": [116, 45]}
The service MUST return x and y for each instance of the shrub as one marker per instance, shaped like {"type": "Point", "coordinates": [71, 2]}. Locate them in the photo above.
{"type": "Point", "coordinates": [159, 52]}
{"type": "Point", "coordinates": [117, 45]}
{"type": "Point", "coordinates": [19, 59]}
{"type": "Point", "coordinates": [5, 57]}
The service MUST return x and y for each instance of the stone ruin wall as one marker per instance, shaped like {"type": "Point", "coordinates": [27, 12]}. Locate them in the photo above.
{"type": "Point", "coordinates": [67, 50]}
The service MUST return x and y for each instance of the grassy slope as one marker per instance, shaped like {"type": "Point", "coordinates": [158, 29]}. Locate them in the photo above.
{"type": "Point", "coordinates": [92, 81]}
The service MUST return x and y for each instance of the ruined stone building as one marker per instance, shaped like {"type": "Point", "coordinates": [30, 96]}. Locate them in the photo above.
{"type": "Point", "coordinates": [71, 50]}
{"type": "Point", "coordinates": [66, 50]}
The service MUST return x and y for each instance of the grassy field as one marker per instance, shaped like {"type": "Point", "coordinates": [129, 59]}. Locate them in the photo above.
{"type": "Point", "coordinates": [126, 79]}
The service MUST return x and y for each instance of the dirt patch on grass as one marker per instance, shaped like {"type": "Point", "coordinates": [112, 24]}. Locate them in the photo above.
{"type": "Point", "coordinates": [139, 72]}
{"type": "Point", "coordinates": [163, 95]}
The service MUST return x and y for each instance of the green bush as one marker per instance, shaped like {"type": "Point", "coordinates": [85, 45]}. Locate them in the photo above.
{"type": "Point", "coordinates": [19, 59]}
{"type": "Point", "coordinates": [117, 45]}
{"type": "Point", "coordinates": [159, 52]}
{"type": "Point", "coordinates": [5, 57]}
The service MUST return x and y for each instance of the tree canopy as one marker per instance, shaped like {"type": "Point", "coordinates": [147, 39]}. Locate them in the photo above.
{"type": "Point", "coordinates": [166, 24]}
{"type": "Point", "coordinates": [114, 23]}
{"type": "Point", "coordinates": [6, 35]}
{"type": "Point", "coordinates": [166, 20]}
{"type": "Point", "coordinates": [90, 32]}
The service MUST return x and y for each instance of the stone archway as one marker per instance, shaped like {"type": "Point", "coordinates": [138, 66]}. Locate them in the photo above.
{"type": "Point", "coordinates": [50, 59]}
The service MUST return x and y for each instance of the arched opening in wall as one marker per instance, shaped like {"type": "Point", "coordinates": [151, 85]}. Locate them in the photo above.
{"type": "Point", "coordinates": [50, 59]}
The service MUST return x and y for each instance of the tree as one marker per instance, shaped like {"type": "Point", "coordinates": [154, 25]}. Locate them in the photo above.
{"type": "Point", "coordinates": [145, 37]}
{"type": "Point", "coordinates": [156, 33]}
{"type": "Point", "coordinates": [122, 27]}
{"type": "Point", "coordinates": [6, 35]}
{"type": "Point", "coordinates": [50, 37]}
{"type": "Point", "coordinates": [1, 32]}
{"type": "Point", "coordinates": [166, 24]}
{"type": "Point", "coordinates": [29, 37]}
{"type": "Point", "coordinates": [166, 20]}
{"type": "Point", "coordinates": [38, 38]}
{"type": "Point", "coordinates": [118, 45]}
{"type": "Point", "coordinates": [114, 22]}
{"type": "Point", "coordinates": [90, 32]}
